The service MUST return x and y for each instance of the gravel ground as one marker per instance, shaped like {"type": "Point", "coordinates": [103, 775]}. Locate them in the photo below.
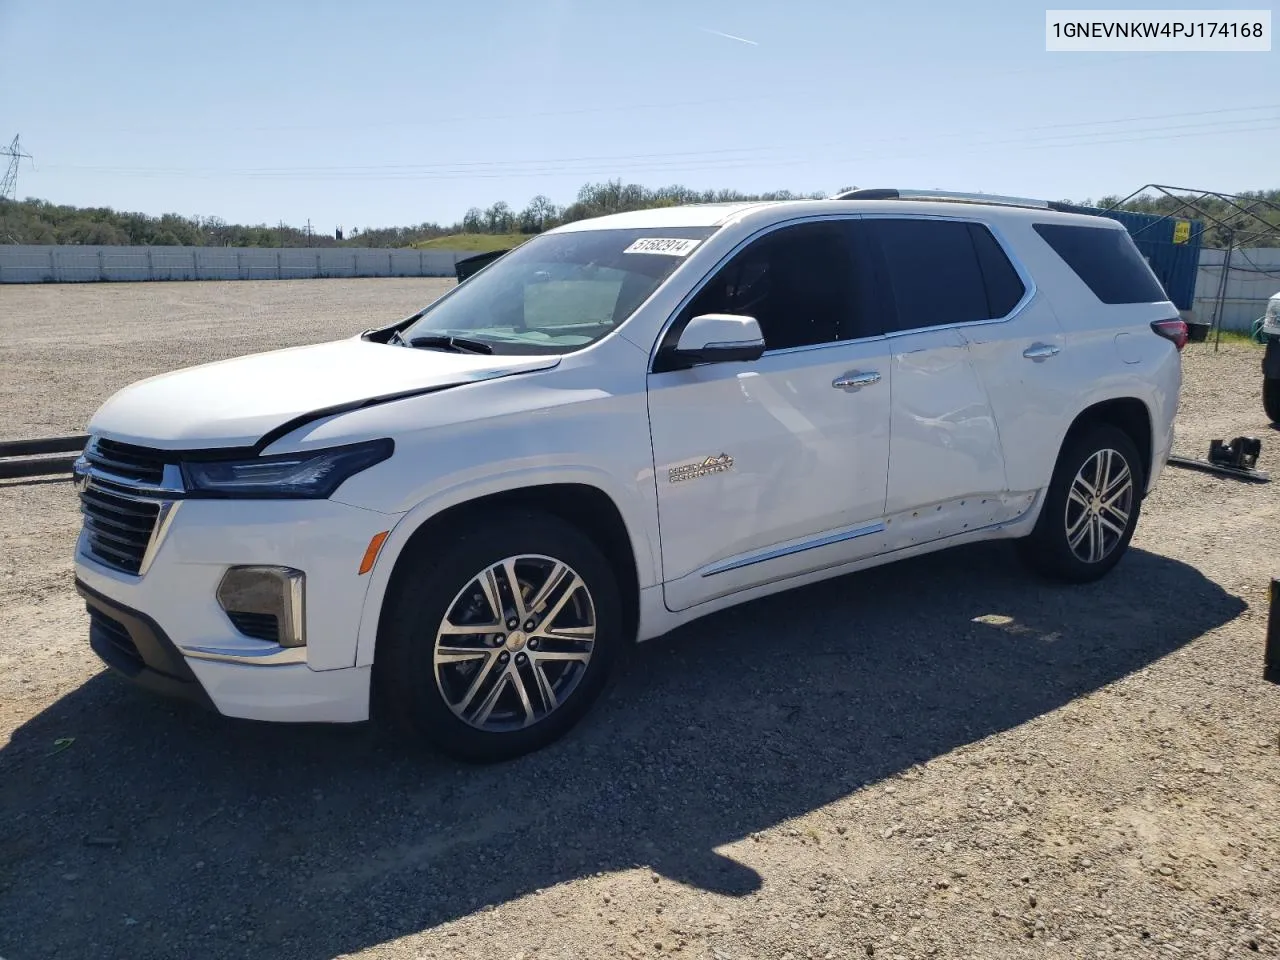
{"type": "Point", "coordinates": [72, 345]}
{"type": "Point", "coordinates": [945, 757]}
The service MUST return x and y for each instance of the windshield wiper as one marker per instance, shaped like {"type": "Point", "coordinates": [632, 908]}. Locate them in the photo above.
{"type": "Point", "coordinates": [450, 342]}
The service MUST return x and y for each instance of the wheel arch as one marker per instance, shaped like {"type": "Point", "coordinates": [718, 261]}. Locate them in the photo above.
{"type": "Point", "coordinates": [585, 505]}
{"type": "Point", "coordinates": [1130, 414]}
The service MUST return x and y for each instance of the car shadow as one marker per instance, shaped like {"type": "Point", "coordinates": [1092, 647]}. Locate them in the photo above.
{"type": "Point", "coordinates": [160, 830]}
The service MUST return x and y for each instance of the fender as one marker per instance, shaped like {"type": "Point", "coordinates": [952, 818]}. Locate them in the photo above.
{"type": "Point", "coordinates": [638, 516]}
{"type": "Point", "coordinates": [1161, 438]}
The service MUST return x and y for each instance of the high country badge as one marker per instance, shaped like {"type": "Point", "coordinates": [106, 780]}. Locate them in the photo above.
{"type": "Point", "coordinates": [703, 468]}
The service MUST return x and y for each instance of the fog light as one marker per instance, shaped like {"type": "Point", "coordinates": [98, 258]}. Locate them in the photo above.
{"type": "Point", "coordinates": [268, 603]}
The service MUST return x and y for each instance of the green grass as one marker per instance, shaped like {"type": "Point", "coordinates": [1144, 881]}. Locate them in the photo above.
{"type": "Point", "coordinates": [1232, 336]}
{"type": "Point", "coordinates": [474, 242]}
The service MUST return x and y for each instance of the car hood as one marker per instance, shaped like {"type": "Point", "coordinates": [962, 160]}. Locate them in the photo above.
{"type": "Point", "coordinates": [250, 401]}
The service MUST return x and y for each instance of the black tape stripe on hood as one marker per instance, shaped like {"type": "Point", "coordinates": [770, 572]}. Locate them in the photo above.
{"type": "Point", "coordinates": [286, 428]}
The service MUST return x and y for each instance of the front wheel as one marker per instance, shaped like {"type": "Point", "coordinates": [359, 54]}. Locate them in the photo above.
{"type": "Point", "coordinates": [497, 641]}
{"type": "Point", "coordinates": [1091, 508]}
{"type": "Point", "coordinates": [1271, 398]}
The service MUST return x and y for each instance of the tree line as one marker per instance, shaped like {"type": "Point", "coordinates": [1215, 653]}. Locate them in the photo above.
{"type": "Point", "coordinates": [39, 221]}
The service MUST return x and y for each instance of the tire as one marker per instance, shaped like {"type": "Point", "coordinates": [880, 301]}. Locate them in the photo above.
{"type": "Point", "coordinates": [1059, 547]}
{"type": "Point", "coordinates": [1271, 398]}
{"type": "Point", "coordinates": [453, 700]}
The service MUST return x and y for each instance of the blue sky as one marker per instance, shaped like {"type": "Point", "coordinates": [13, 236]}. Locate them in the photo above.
{"type": "Point", "coordinates": [381, 112]}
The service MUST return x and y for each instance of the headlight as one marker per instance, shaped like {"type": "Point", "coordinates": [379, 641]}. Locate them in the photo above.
{"type": "Point", "coordinates": [311, 475]}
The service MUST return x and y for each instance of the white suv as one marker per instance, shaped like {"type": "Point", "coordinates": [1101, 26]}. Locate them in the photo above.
{"type": "Point", "coordinates": [457, 521]}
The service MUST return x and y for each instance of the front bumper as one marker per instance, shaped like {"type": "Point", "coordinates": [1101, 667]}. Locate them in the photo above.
{"type": "Point", "coordinates": [134, 646]}
{"type": "Point", "coordinates": [165, 630]}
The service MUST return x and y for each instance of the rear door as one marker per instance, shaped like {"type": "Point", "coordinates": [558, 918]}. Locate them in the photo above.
{"type": "Point", "coordinates": [1024, 361]}
{"type": "Point", "coordinates": [946, 465]}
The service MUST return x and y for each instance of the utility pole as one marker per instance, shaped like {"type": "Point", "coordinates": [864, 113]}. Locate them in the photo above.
{"type": "Point", "coordinates": [9, 185]}
{"type": "Point", "coordinates": [280, 233]}
{"type": "Point", "coordinates": [308, 231]}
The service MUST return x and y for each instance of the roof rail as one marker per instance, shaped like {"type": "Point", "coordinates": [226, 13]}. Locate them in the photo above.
{"type": "Point", "coordinates": [889, 193]}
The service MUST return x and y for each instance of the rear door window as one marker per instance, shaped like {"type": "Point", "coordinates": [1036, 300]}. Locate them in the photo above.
{"type": "Point", "coordinates": [1106, 260]}
{"type": "Point", "coordinates": [931, 270]}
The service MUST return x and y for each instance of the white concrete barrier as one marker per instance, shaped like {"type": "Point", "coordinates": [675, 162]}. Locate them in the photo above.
{"type": "Point", "coordinates": [1255, 273]}
{"type": "Point", "coordinates": [22, 263]}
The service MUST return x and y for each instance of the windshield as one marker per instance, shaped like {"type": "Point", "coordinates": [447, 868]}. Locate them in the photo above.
{"type": "Point", "coordinates": [559, 292]}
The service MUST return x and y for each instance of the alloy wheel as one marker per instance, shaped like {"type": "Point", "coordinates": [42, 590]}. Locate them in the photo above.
{"type": "Point", "coordinates": [1099, 505]}
{"type": "Point", "coordinates": [515, 643]}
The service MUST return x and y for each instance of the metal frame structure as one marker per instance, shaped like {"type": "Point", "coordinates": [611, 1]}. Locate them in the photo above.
{"type": "Point", "coordinates": [1237, 231]}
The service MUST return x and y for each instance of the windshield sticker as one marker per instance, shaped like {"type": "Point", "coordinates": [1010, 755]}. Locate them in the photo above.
{"type": "Point", "coordinates": [665, 246]}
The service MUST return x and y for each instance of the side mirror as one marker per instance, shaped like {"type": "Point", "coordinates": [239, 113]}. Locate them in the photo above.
{"type": "Point", "coordinates": [719, 338]}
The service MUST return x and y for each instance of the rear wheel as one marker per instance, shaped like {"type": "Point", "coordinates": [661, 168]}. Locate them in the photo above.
{"type": "Point", "coordinates": [1271, 399]}
{"type": "Point", "coordinates": [498, 642]}
{"type": "Point", "coordinates": [1091, 508]}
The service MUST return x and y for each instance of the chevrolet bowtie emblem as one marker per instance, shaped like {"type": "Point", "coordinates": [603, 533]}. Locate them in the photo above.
{"type": "Point", "coordinates": [691, 471]}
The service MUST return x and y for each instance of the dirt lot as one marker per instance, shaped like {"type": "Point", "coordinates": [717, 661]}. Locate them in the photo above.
{"type": "Point", "coordinates": [944, 758]}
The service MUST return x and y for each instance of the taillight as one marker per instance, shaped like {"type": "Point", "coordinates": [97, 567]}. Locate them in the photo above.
{"type": "Point", "coordinates": [1174, 330]}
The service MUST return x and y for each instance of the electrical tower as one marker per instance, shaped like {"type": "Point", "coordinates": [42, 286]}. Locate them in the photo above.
{"type": "Point", "coordinates": [9, 185]}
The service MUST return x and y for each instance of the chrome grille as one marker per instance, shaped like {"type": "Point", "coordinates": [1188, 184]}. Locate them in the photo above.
{"type": "Point", "coordinates": [126, 461]}
{"type": "Point", "coordinates": [127, 494]}
{"type": "Point", "coordinates": [118, 527]}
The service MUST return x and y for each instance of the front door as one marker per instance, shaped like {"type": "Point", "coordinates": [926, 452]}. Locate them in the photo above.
{"type": "Point", "coordinates": [774, 468]}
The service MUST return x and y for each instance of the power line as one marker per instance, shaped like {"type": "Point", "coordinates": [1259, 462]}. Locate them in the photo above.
{"type": "Point", "coordinates": [690, 161]}
{"type": "Point", "coordinates": [682, 159]}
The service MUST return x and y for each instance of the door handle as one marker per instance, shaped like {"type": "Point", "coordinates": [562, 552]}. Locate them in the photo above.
{"type": "Point", "coordinates": [1041, 351]}
{"type": "Point", "coordinates": [855, 381]}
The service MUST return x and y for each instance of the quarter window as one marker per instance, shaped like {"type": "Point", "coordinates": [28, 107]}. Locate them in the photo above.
{"type": "Point", "coordinates": [1105, 259]}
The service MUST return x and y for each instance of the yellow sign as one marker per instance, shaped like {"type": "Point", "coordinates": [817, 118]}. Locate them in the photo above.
{"type": "Point", "coordinates": [1181, 231]}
